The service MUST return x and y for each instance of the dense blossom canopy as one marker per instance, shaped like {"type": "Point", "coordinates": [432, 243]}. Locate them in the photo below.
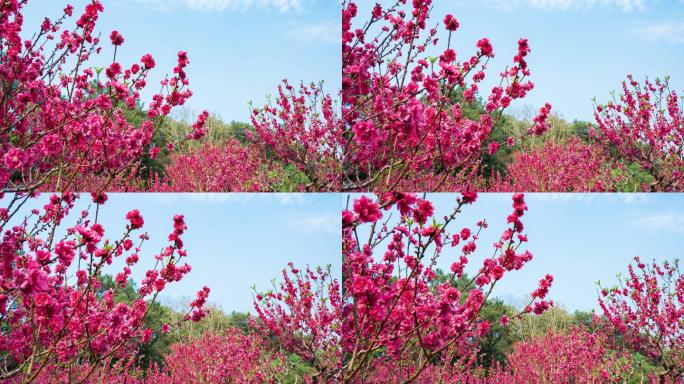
{"type": "Point", "coordinates": [396, 315]}
{"type": "Point", "coordinates": [645, 125]}
{"type": "Point", "coordinates": [62, 119]}
{"type": "Point", "coordinates": [404, 110]}
{"type": "Point", "coordinates": [54, 310]}
{"type": "Point", "coordinates": [647, 309]}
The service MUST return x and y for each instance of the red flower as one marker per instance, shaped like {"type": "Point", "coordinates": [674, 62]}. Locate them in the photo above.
{"type": "Point", "coordinates": [450, 23]}
{"type": "Point", "coordinates": [135, 219]}
{"type": "Point", "coordinates": [423, 211]}
{"type": "Point", "coordinates": [148, 61]}
{"type": "Point", "coordinates": [99, 198]}
{"type": "Point", "coordinates": [367, 210]}
{"type": "Point", "coordinates": [116, 38]}
{"type": "Point", "coordinates": [347, 219]}
{"type": "Point", "coordinates": [486, 48]}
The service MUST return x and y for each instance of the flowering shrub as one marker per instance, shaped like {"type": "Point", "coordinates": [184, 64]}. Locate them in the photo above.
{"type": "Point", "coordinates": [574, 357]}
{"type": "Point", "coordinates": [646, 126]}
{"type": "Point", "coordinates": [62, 119]}
{"type": "Point", "coordinates": [566, 167]}
{"type": "Point", "coordinates": [236, 357]}
{"type": "Point", "coordinates": [303, 129]}
{"type": "Point", "coordinates": [647, 310]}
{"type": "Point", "coordinates": [402, 110]}
{"type": "Point", "coordinates": [303, 316]}
{"type": "Point", "coordinates": [56, 318]}
{"type": "Point", "coordinates": [223, 167]}
{"type": "Point", "coordinates": [459, 371]}
{"type": "Point", "coordinates": [393, 311]}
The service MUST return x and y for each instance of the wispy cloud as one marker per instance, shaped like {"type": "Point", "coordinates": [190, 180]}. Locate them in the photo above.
{"type": "Point", "coordinates": [672, 32]}
{"type": "Point", "coordinates": [226, 5]}
{"type": "Point", "coordinates": [286, 199]}
{"type": "Point", "coordinates": [629, 198]}
{"type": "Point", "coordinates": [563, 5]}
{"type": "Point", "coordinates": [561, 197]}
{"type": "Point", "coordinates": [324, 32]}
{"type": "Point", "coordinates": [239, 198]}
{"type": "Point", "coordinates": [161, 5]}
{"type": "Point", "coordinates": [659, 222]}
{"type": "Point", "coordinates": [289, 198]}
{"type": "Point", "coordinates": [321, 223]}
{"type": "Point", "coordinates": [619, 198]}
{"type": "Point", "coordinates": [238, 5]}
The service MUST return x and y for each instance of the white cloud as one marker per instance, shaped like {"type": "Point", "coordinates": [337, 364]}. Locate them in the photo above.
{"type": "Point", "coordinates": [660, 222]}
{"type": "Point", "coordinates": [561, 197]}
{"type": "Point", "coordinates": [321, 32]}
{"type": "Point", "coordinates": [238, 5]}
{"type": "Point", "coordinates": [213, 197]}
{"type": "Point", "coordinates": [629, 198]}
{"type": "Point", "coordinates": [226, 5]}
{"type": "Point", "coordinates": [672, 32]}
{"type": "Point", "coordinates": [618, 198]}
{"type": "Point", "coordinates": [563, 5]}
{"type": "Point", "coordinates": [287, 199]}
{"type": "Point", "coordinates": [161, 5]}
{"type": "Point", "coordinates": [322, 223]}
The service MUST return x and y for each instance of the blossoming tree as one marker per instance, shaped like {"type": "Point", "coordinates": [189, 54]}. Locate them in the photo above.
{"type": "Point", "coordinates": [217, 167]}
{"type": "Point", "coordinates": [573, 166]}
{"type": "Point", "coordinates": [393, 313]}
{"type": "Point", "coordinates": [302, 128]}
{"type": "Point", "coordinates": [647, 310]}
{"type": "Point", "coordinates": [573, 357]}
{"type": "Point", "coordinates": [61, 118]}
{"type": "Point", "coordinates": [55, 317]}
{"type": "Point", "coordinates": [645, 125]}
{"type": "Point", "coordinates": [235, 357]}
{"type": "Point", "coordinates": [402, 109]}
{"type": "Point", "coordinates": [303, 315]}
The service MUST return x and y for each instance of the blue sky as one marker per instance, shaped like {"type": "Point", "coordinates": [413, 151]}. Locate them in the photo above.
{"type": "Point", "coordinates": [578, 238]}
{"type": "Point", "coordinates": [234, 241]}
{"type": "Point", "coordinates": [239, 50]}
{"type": "Point", "coordinates": [580, 48]}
